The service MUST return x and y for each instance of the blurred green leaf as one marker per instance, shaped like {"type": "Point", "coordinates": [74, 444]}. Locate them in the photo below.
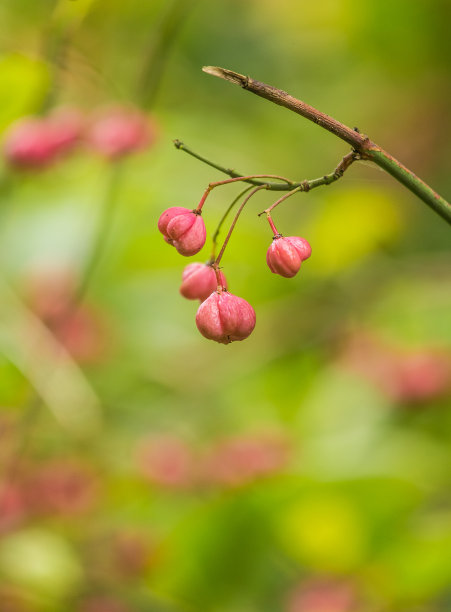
{"type": "Point", "coordinates": [352, 224]}
{"type": "Point", "coordinates": [23, 84]}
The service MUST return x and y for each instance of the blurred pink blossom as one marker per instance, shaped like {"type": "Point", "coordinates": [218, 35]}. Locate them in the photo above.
{"type": "Point", "coordinates": [316, 595]}
{"type": "Point", "coordinates": [131, 552]}
{"type": "Point", "coordinates": [62, 486]}
{"type": "Point", "coordinates": [166, 461]}
{"type": "Point", "coordinates": [406, 376]}
{"type": "Point", "coordinates": [35, 142]}
{"type": "Point", "coordinates": [117, 131]}
{"type": "Point", "coordinates": [29, 143]}
{"type": "Point", "coordinates": [12, 505]}
{"type": "Point", "coordinates": [102, 603]}
{"type": "Point", "coordinates": [241, 459]}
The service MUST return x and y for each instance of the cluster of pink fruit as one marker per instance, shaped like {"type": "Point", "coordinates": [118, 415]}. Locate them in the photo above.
{"type": "Point", "coordinates": [36, 142]}
{"type": "Point", "coordinates": [406, 376]}
{"type": "Point", "coordinates": [168, 461]}
{"type": "Point", "coordinates": [63, 487]}
{"type": "Point", "coordinates": [222, 316]}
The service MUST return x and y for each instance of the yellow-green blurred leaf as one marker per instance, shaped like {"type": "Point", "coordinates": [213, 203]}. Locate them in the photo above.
{"type": "Point", "coordinates": [352, 224]}
{"type": "Point", "coordinates": [23, 84]}
{"type": "Point", "coordinates": [72, 12]}
{"type": "Point", "coordinates": [40, 560]}
{"type": "Point", "coordinates": [324, 532]}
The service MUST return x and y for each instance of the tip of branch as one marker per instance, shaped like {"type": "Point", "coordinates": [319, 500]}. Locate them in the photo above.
{"type": "Point", "coordinates": [227, 75]}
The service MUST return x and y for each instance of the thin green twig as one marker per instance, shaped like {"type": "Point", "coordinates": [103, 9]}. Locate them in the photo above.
{"type": "Point", "coordinates": [305, 185]}
{"type": "Point", "coordinates": [360, 142]}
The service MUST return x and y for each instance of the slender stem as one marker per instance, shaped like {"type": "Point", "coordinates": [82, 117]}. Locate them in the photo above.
{"type": "Point", "coordinates": [305, 185]}
{"type": "Point", "coordinates": [161, 41]}
{"type": "Point", "coordinates": [271, 223]}
{"type": "Point", "coordinates": [279, 201]}
{"type": "Point", "coordinates": [223, 218]}
{"type": "Point", "coordinates": [219, 286]}
{"type": "Point", "coordinates": [56, 45]}
{"type": "Point", "coordinates": [246, 200]}
{"type": "Point", "coordinates": [233, 173]}
{"type": "Point", "coordinates": [211, 186]}
{"type": "Point", "coordinates": [360, 143]}
{"type": "Point", "coordinates": [102, 233]}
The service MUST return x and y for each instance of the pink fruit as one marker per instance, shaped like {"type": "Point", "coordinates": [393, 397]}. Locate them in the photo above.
{"type": "Point", "coordinates": [224, 317]}
{"type": "Point", "coordinates": [422, 376]}
{"type": "Point", "coordinates": [406, 376]}
{"type": "Point", "coordinates": [118, 131]}
{"type": "Point", "coordinates": [184, 229]}
{"type": "Point", "coordinates": [322, 595]}
{"type": "Point", "coordinates": [34, 142]}
{"type": "Point", "coordinates": [30, 143]}
{"type": "Point", "coordinates": [62, 487]}
{"type": "Point", "coordinates": [12, 505]}
{"type": "Point", "coordinates": [285, 255]}
{"type": "Point", "coordinates": [242, 459]}
{"type": "Point", "coordinates": [166, 461]}
{"type": "Point", "coordinates": [199, 281]}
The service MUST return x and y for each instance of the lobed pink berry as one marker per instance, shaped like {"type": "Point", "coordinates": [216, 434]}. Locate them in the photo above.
{"type": "Point", "coordinates": [199, 281]}
{"type": "Point", "coordinates": [285, 255]}
{"type": "Point", "coordinates": [184, 229]}
{"type": "Point", "coordinates": [224, 317]}
{"type": "Point", "coordinates": [118, 131]}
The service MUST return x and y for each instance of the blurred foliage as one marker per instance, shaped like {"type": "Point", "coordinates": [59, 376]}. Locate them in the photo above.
{"type": "Point", "coordinates": [116, 423]}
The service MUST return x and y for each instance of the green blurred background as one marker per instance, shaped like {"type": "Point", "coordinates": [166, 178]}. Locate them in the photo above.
{"type": "Point", "coordinates": [306, 469]}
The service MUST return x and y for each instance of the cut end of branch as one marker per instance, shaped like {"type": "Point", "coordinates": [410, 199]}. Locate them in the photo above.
{"type": "Point", "coordinates": [227, 75]}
